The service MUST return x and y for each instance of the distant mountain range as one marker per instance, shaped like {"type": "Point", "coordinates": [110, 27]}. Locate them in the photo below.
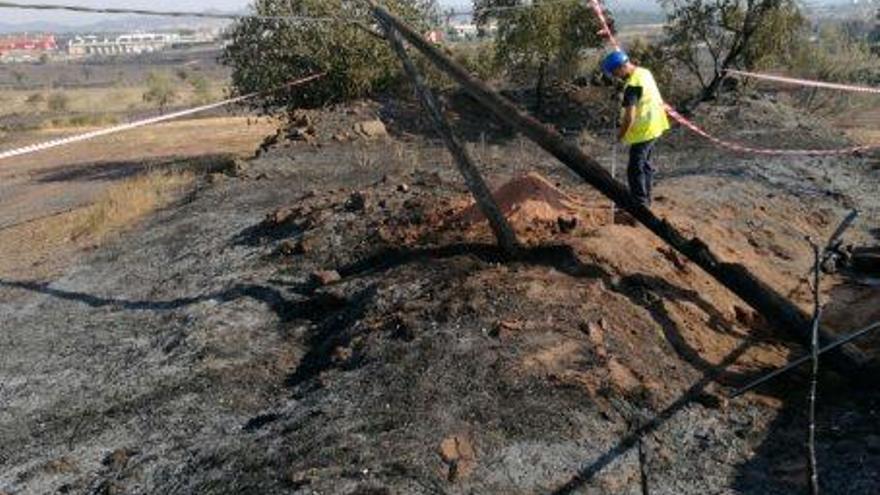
{"type": "Point", "coordinates": [134, 23]}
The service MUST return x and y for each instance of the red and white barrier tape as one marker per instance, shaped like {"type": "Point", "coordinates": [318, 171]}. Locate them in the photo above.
{"type": "Point", "coordinates": [609, 35]}
{"type": "Point", "coordinates": [141, 123]}
{"type": "Point", "coordinates": [763, 151]}
{"type": "Point", "coordinates": [606, 28]}
{"type": "Point", "coordinates": [806, 82]}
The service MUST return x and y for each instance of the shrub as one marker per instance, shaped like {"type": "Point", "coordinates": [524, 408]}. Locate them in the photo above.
{"type": "Point", "coordinates": [160, 91]}
{"type": "Point", "coordinates": [266, 54]}
{"type": "Point", "coordinates": [35, 99]}
{"type": "Point", "coordinates": [544, 43]}
{"type": "Point", "coordinates": [201, 89]}
{"type": "Point", "coordinates": [58, 102]}
{"type": "Point", "coordinates": [478, 58]}
{"type": "Point", "coordinates": [832, 55]}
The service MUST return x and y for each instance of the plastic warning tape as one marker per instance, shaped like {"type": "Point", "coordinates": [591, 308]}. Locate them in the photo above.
{"type": "Point", "coordinates": [763, 151]}
{"type": "Point", "coordinates": [606, 31]}
{"type": "Point", "coordinates": [807, 82]}
{"type": "Point", "coordinates": [141, 123]}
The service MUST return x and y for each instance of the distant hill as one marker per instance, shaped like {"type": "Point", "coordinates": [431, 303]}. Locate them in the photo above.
{"type": "Point", "coordinates": [133, 23]}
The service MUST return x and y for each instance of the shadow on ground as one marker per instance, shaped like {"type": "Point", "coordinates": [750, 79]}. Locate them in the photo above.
{"type": "Point", "coordinates": [117, 170]}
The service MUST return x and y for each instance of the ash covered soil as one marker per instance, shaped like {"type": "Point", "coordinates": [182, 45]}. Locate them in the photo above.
{"type": "Point", "coordinates": [336, 320]}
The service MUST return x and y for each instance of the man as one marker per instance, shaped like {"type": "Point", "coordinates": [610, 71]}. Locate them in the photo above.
{"type": "Point", "coordinates": [644, 121]}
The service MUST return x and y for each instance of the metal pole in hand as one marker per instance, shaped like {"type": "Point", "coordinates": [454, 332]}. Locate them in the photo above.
{"type": "Point", "coordinates": [613, 175]}
{"type": "Point", "coordinates": [813, 469]}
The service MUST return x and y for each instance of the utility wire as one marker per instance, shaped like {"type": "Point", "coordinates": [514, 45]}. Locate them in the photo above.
{"type": "Point", "coordinates": [234, 17]}
{"type": "Point", "coordinates": [158, 13]}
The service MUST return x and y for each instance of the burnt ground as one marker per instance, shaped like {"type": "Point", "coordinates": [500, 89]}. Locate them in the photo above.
{"type": "Point", "coordinates": [196, 354]}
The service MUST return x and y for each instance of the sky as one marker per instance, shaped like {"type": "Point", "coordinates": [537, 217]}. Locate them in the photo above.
{"type": "Point", "coordinates": [20, 16]}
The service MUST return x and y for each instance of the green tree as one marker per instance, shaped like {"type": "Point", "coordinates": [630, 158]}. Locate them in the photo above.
{"type": "Point", "coordinates": [543, 42]}
{"type": "Point", "coordinates": [267, 53]}
{"type": "Point", "coordinates": [745, 34]}
{"type": "Point", "coordinates": [160, 90]}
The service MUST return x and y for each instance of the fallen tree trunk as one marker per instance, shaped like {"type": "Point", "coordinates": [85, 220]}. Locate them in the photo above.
{"type": "Point", "coordinates": [775, 308]}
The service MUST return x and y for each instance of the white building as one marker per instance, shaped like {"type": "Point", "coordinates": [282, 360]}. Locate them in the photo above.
{"type": "Point", "coordinates": [82, 46]}
{"type": "Point", "coordinates": [134, 43]}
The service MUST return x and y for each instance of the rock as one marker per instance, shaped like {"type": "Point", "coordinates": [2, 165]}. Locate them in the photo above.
{"type": "Point", "coordinates": [596, 333]}
{"type": "Point", "coordinates": [117, 460]}
{"type": "Point", "coordinates": [371, 129]}
{"type": "Point", "coordinates": [325, 277]}
{"type": "Point", "coordinates": [299, 479]}
{"type": "Point", "coordinates": [356, 202]}
{"type": "Point", "coordinates": [403, 188]}
{"type": "Point", "coordinates": [238, 168]}
{"type": "Point", "coordinates": [301, 128]}
{"type": "Point", "coordinates": [306, 134]}
{"type": "Point", "coordinates": [303, 246]}
{"type": "Point", "coordinates": [216, 178]}
{"type": "Point", "coordinates": [287, 247]}
{"type": "Point", "coordinates": [282, 216]}
{"type": "Point", "coordinates": [458, 453]}
{"type": "Point", "coordinates": [505, 329]}
{"type": "Point", "coordinates": [342, 354]}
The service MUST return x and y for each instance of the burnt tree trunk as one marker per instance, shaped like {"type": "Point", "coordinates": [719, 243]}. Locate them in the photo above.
{"type": "Point", "coordinates": [504, 233]}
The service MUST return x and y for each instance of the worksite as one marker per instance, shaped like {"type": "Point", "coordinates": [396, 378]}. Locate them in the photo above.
{"type": "Point", "coordinates": [587, 247]}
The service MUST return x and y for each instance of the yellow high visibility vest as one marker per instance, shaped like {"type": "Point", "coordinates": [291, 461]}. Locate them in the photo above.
{"type": "Point", "coordinates": [650, 122]}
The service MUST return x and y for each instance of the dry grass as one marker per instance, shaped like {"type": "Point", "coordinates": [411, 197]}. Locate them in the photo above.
{"type": "Point", "coordinates": [861, 123]}
{"type": "Point", "coordinates": [179, 138]}
{"type": "Point", "coordinates": [124, 203]}
{"type": "Point", "coordinates": [40, 248]}
{"type": "Point", "coordinates": [85, 100]}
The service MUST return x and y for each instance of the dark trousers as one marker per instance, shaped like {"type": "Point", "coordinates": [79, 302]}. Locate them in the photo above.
{"type": "Point", "coordinates": [640, 171]}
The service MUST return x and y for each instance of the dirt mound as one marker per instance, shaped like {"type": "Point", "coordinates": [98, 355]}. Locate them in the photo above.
{"type": "Point", "coordinates": [530, 200]}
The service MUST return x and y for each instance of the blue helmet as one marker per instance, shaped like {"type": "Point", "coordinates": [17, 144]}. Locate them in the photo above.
{"type": "Point", "coordinates": [613, 61]}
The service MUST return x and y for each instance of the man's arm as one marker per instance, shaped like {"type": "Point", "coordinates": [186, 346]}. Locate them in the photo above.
{"type": "Point", "coordinates": [631, 97]}
{"type": "Point", "coordinates": [629, 116]}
